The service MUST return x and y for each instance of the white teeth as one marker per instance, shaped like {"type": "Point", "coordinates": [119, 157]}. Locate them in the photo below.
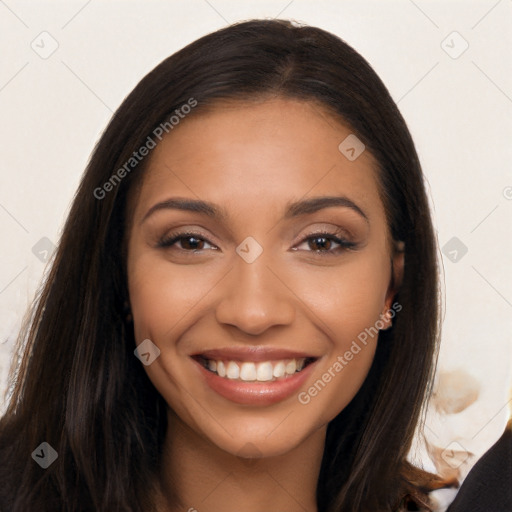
{"type": "Point", "coordinates": [232, 370]}
{"type": "Point", "coordinates": [248, 372]}
{"type": "Point", "coordinates": [264, 371]}
{"type": "Point", "coordinates": [261, 372]}
{"type": "Point", "coordinates": [279, 370]}
{"type": "Point", "coordinates": [221, 369]}
{"type": "Point", "coordinates": [291, 367]}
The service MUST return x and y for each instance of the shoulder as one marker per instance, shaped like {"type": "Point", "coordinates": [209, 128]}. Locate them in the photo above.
{"type": "Point", "coordinates": [418, 484]}
{"type": "Point", "coordinates": [488, 484]}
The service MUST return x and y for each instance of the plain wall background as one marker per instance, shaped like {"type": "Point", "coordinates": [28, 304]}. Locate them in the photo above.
{"type": "Point", "coordinates": [459, 111]}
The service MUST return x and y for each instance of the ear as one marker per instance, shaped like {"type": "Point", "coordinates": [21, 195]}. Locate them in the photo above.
{"type": "Point", "coordinates": [397, 273]}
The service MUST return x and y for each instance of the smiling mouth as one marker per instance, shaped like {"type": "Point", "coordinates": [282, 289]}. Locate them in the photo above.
{"type": "Point", "coordinates": [251, 371]}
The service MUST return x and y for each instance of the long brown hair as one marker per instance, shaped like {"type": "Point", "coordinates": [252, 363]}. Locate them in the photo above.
{"type": "Point", "coordinates": [79, 386]}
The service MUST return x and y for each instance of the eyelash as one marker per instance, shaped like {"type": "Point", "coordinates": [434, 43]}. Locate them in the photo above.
{"type": "Point", "coordinates": [169, 241]}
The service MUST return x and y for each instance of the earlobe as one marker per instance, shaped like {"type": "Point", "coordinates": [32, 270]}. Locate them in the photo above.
{"type": "Point", "coordinates": [397, 273]}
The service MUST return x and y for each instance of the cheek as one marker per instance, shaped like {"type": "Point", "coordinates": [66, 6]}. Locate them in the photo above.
{"type": "Point", "coordinates": [349, 301]}
{"type": "Point", "coordinates": [347, 298]}
{"type": "Point", "coordinates": [161, 296]}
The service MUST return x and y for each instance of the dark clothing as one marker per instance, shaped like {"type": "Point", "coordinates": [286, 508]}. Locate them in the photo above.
{"type": "Point", "coordinates": [488, 486]}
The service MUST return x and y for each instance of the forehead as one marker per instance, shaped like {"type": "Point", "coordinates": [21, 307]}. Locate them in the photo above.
{"type": "Point", "coordinates": [257, 156]}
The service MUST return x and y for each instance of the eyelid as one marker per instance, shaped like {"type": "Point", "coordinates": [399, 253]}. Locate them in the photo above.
{"type": "Point", "coordinates": [170, 239]}
{"type": "Point", "coordinates": [327, 229]}
{"type": "Point", "coordinates": [337, 235]}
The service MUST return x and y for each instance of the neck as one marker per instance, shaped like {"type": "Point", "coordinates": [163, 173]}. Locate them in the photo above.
{"type": "Point", "coordinates": [198, 476]}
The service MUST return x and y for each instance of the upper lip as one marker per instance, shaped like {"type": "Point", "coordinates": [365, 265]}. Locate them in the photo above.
{"type": "Point", "coordinates": [255, 353]}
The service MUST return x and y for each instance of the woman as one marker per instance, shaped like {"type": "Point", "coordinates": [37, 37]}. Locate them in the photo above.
{"type": "Point", "coordinates": [242, 312]}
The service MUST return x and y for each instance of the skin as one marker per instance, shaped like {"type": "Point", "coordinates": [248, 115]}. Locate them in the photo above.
{"type": "Point", "coordinates": [253, 159]}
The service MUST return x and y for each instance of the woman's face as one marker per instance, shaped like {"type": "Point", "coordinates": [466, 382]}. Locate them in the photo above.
{"type": "Point", "coordinates": [266, 277]}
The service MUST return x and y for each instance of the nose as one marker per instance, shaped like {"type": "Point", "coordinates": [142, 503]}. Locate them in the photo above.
{"type": "Point", "coordinates": [255, 298]}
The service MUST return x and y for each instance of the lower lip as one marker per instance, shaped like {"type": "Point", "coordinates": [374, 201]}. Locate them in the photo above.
{"type": "Point", "coordinates": [255, 393]}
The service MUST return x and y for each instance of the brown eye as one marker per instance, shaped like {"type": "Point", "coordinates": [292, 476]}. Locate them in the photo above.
{"type": "Point", "coordinates": [189, 242]}
{"type": "Point", "coordinates": [320, 242]}
{"type": "Point", "coordinates": [327, 243]}
{"type": "Point", "coordinates": [192, 243]}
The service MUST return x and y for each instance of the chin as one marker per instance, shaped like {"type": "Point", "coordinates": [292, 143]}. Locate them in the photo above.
{"type": "Point", "coordinates": [264, 439]}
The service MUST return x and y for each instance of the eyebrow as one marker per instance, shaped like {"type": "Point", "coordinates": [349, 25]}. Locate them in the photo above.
{"type": "Point", "coordinates": [295, 209]}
